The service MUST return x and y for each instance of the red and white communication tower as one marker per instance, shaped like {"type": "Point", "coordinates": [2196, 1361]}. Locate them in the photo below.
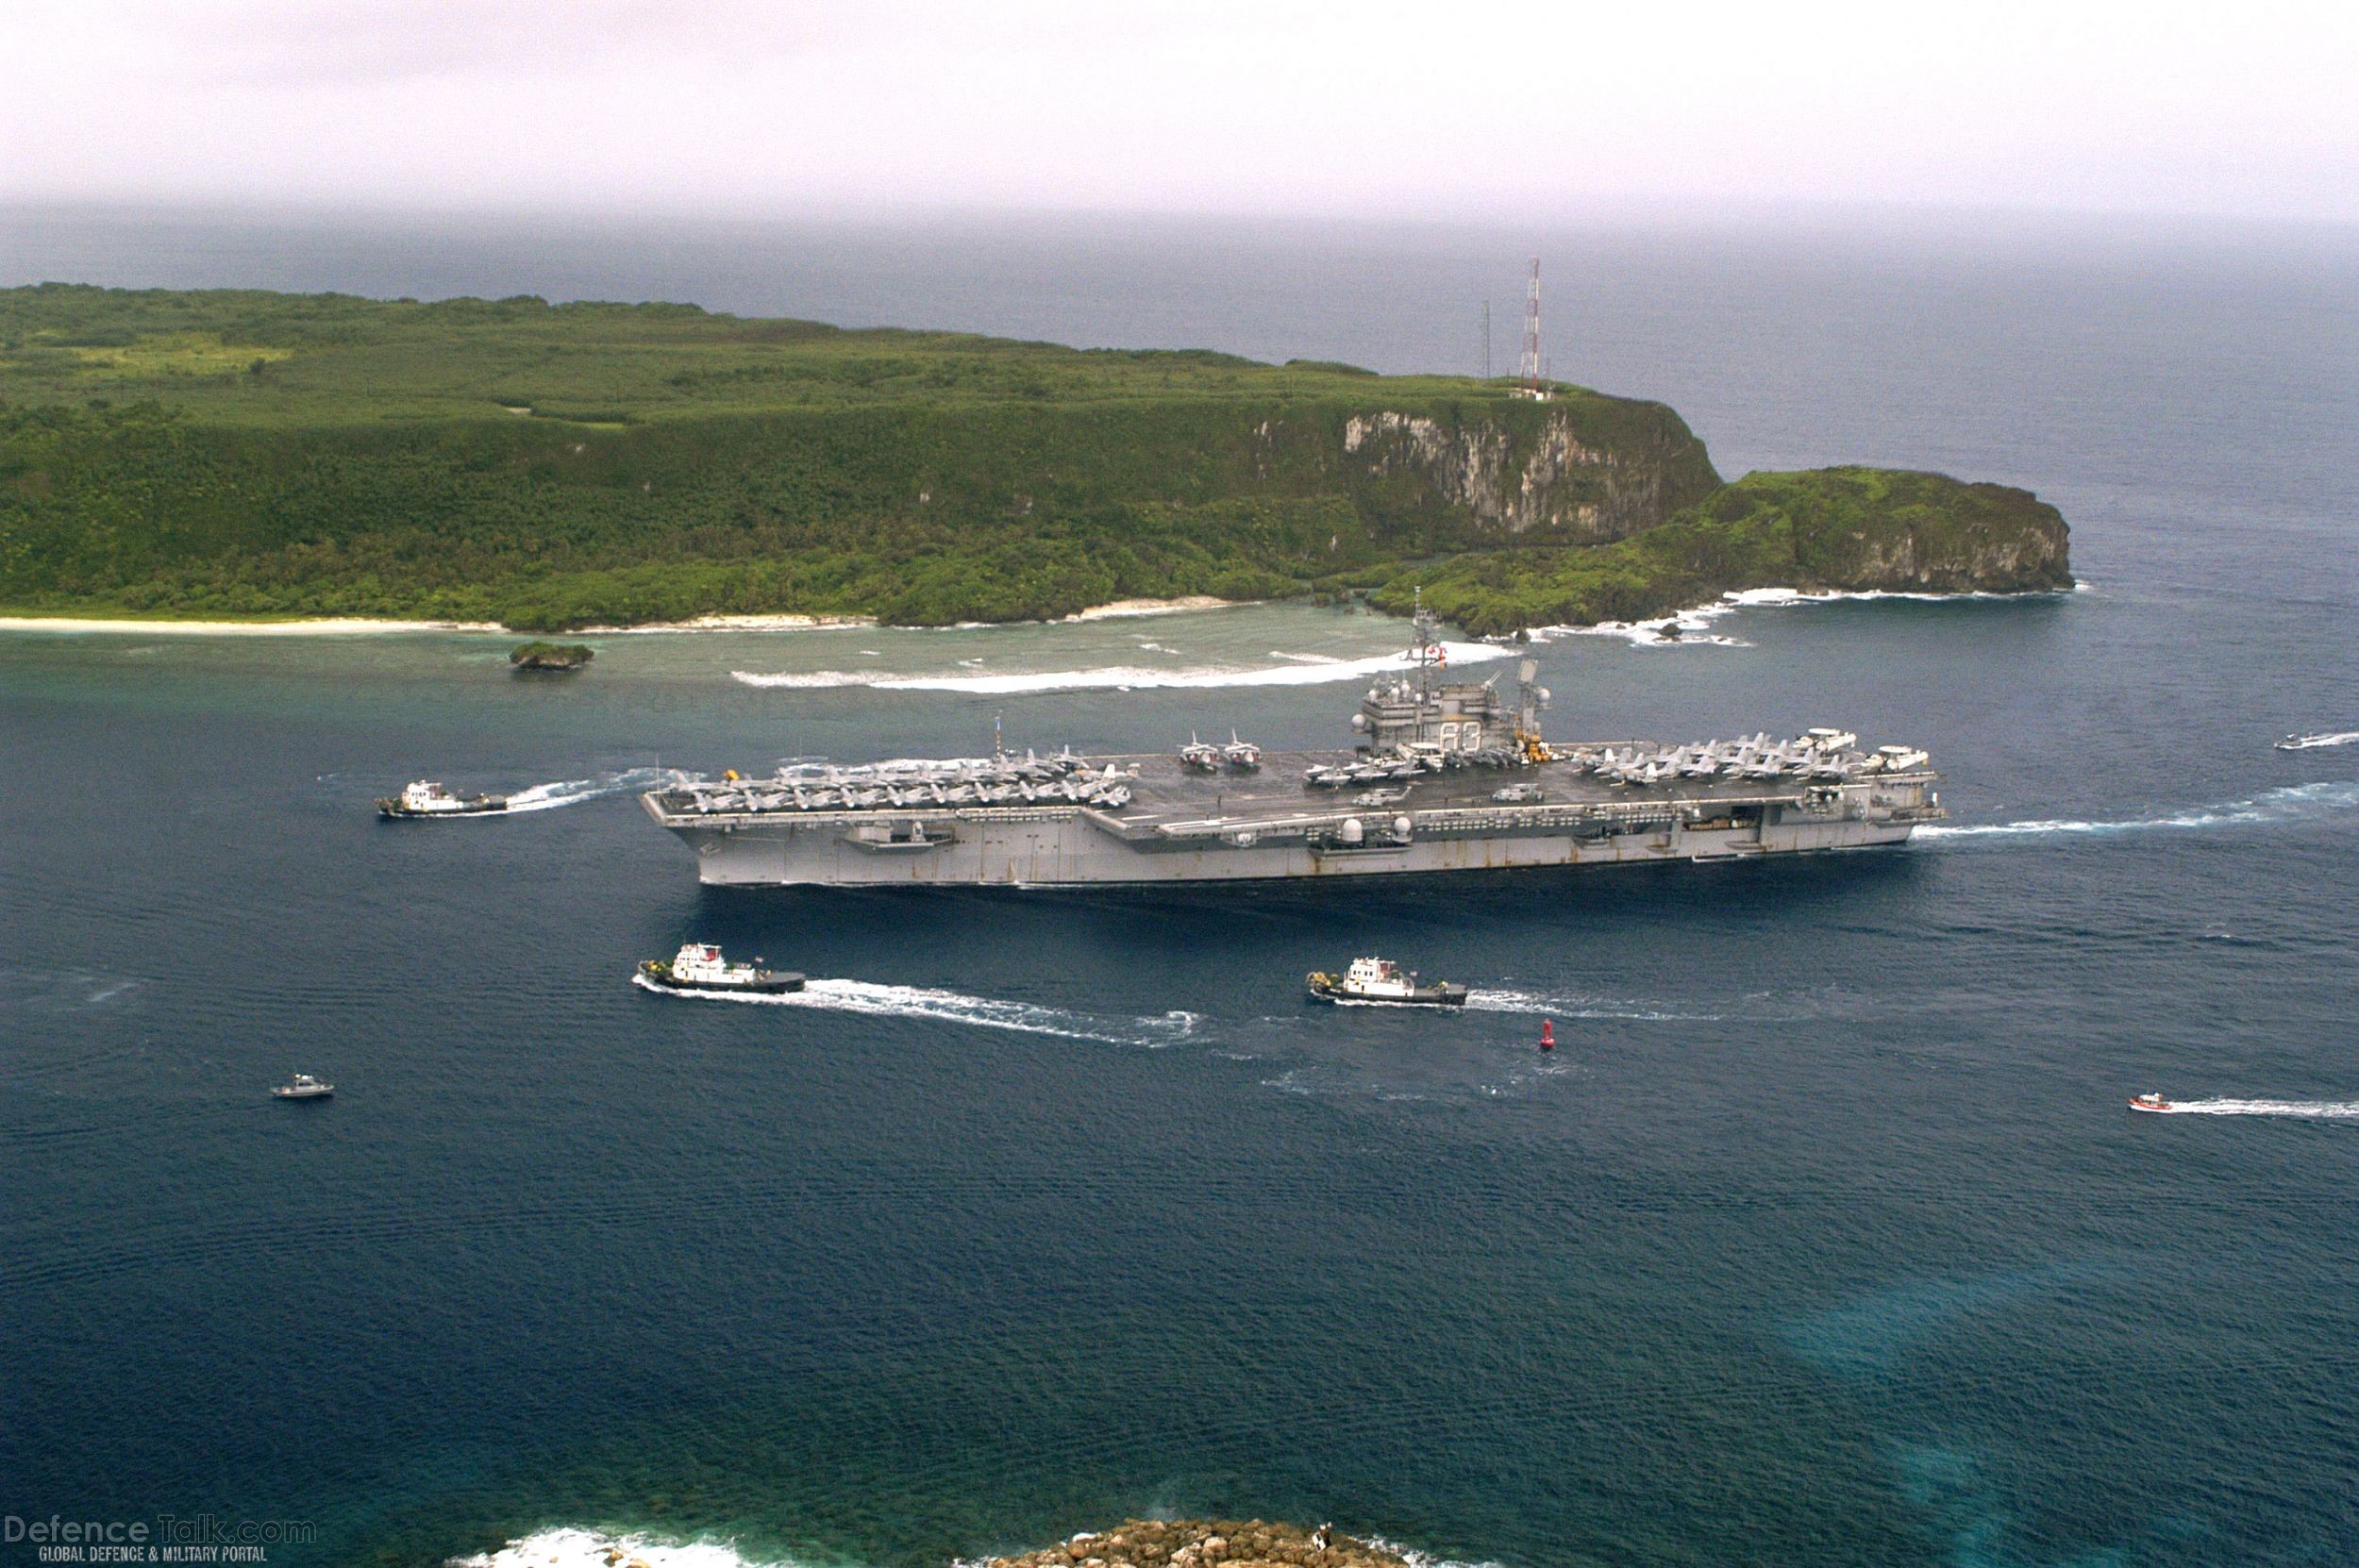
{"type": "Point", "coordinates": [1530, 369]}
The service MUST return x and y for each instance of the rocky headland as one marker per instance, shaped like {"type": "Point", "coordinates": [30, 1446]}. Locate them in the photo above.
{"type": "Point", "coordinates": [1832, 529]}
{"type": "Point", "coordinates": [1209, 1544]}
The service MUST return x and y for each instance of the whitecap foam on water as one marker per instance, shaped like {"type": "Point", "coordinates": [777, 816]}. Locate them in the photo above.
{"type": "Point", "coordinates": [2296, 803]}
{"type": "Point", "coordinates": [1423, 1560]}
{"type": "Point", "coordinates": [950, 1007]}
{"type": "Point", "coordinates": [1296, 670]}
{"type": "Point", "coordinates": [568, 1547]}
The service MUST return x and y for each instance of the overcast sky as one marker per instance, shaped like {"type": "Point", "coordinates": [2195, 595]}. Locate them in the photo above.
{"type": "Point", "coordinates": [1442, 110]}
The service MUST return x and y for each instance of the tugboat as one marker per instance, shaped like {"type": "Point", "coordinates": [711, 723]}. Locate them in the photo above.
{"type": "Point", "coordinates": [1380, 982]}
{"type": "Point", "coordinates": [426, 798]}
{"type": "Point", "coordinates": [303, 1086]}
{"type": "Point", "coordinates": [698, 966]}
{"type": "Point", "coordinates": [2149, 1102]}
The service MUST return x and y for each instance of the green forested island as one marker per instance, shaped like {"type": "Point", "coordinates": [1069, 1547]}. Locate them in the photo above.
{"type": "Point", "coordinates": [240, 454]}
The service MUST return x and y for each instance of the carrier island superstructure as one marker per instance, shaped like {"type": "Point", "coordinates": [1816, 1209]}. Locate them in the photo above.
{"type": "Point", "coordinates": [1443, 777]}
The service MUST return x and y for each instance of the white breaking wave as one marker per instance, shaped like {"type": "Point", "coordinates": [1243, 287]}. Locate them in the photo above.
{"type": "Point", "coordinates": [1693, 624]}
{"type": "Point", "coordinates": [1296, 671]}
{"type": "Point", "coordinates": [573, 791]}
{"type": "Point", "coordinates": [2296, 803]}
{"type": "Point", "coordinates": [2329, 1110]}
{"type": "Point", "coordinates": [1422, 1560]}
{"type": "Point", "coordinates": [950, 1007]}
{"type": "Point", "coordinates": [1771, 598]}
{"type": "Point", "coordinates": [1578, 1006]}
{"type": "Point", "coordinates": [1690, 629]}
{"type": "Point", "coordinates": [2311, 743]}
{"type": "Point", "coordinates": [579, 1548]}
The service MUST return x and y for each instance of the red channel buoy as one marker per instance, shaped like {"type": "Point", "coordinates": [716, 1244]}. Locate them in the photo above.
{"type": "Point", "coordinates": [1547, 1034]}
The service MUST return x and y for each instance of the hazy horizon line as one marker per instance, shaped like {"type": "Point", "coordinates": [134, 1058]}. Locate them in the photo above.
{"type": "Point", "coordinates": [1625, 212]}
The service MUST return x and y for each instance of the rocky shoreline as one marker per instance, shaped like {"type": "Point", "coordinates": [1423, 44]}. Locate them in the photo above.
{"type": "Point", "coordinates": [1205, 1543]}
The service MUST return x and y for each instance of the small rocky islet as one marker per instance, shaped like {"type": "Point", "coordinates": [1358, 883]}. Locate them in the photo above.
{"type": "Point", "coordinates": [1204, 1543]}
{"type": "Point", "coordinates": [550, 656]}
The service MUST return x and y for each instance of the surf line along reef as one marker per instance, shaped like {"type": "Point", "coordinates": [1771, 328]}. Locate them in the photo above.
{"type": "Point", "coordinates": [237, 454]}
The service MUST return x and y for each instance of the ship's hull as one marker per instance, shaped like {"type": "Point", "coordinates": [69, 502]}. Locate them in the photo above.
{"type": "Point", "coordinates": [769, 985]}
{"type": "Point", "coordinates": [1425, 997]}
{"type": "Point", "coordinates": [394, 811]}
{"type": "Point", "coordinates": [1185, 831]}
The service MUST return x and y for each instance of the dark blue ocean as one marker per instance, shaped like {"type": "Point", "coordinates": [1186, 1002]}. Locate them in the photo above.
{"type": "Point", "coordinates": [1825, 1237]}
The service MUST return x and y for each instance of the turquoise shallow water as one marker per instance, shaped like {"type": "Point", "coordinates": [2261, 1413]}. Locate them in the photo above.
{"type": "Point", "coordinates": [1826, 1236]}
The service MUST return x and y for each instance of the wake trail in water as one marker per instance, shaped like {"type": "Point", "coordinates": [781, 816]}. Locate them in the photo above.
{"type": "Point", "coordinates": [2313, 742]}
{"type": "Point", "coordinates": [950, 1007]}
{"type": "Point", "coordinates": [1296, 670]}
{"type": "Point", "coordinates": [1579, 1007]}
{"type": "Point", "coordinates": [2316, 1110]}
{"type": "Point", "coordinates": [2296, 803]}
{"type": "Point", "coordinates": [573, 792]}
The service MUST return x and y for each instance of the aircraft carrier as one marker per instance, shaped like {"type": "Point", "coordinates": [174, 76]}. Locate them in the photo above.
{"type": "Point", "coordinates": [1443, 777]}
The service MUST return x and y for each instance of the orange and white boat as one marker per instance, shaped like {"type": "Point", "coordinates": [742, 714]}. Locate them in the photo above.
{"type": "Point", "coordinates": [2149, 1102]}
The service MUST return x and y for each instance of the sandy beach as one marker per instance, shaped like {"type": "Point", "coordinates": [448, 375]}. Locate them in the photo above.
{"type": "Point", "coordinates": [358, 627]}
{"type": "Point", "coordinates": [732, 623]}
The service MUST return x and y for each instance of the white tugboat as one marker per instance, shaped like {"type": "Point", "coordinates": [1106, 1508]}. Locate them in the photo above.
{"type": "Point", "coordinates": [1380, 982]}
{"type": "Point", "coordinates": [698, 966]}
{"type": "Point", "coordinates": [303, 1086]}
{"type": "Point", "coordinates": [426, 798]}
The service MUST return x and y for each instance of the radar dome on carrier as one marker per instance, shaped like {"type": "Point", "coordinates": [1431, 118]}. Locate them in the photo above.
{"type": "Point", "coordinates": [1352, 832]}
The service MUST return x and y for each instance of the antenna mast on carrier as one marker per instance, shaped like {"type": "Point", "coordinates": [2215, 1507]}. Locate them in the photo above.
{"type": "Point", "coordinates": [1529, 370]}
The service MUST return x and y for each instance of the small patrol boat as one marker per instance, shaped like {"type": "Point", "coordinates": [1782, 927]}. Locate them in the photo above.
{"type": "Point", "coordinates": [1383, 982]}
{"type": "Point", "coordinates": [698, 966]}
{"type": "Point", "coordinates": [426, 798]}
{"type": "Point", "coordinates": [303, 1086]}
{"type": "Point", "coordinates": [2149, 1102]}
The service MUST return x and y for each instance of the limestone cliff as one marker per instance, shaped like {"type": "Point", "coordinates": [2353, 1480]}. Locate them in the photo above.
{"type": "Point", "coordinates": [1580, 468]}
